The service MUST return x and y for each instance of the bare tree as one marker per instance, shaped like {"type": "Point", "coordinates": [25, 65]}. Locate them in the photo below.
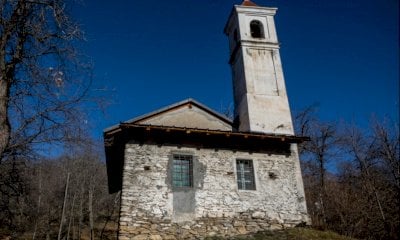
{"type": "Point", "coordinates": [375, 156]}
{"type": "Point", "coordinates": [359, 195]}
{"type": "Point", "coordinates": [43, 84]}
{"type": "Point", "coordinates": [90, 207]}
{"type": "Point", "coordinates": [38, 202]}
{"type": "Point", "coordinates": [40, 85]}
{"type": "Point", "coordinates": [316, 154]}
{"type": "Point", "coordinates": [63, 208]}
{"type": "Point", "coordinates": [387, 148]}
{"type": "Point", "coordinates": [362, 149]}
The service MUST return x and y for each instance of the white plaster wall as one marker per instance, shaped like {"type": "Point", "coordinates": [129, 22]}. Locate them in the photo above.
{"type": "Point", "coordinates": [263, 14]}
{"type": "Point", "coordinates": [261, 101]}
{"type": "Point", "coordinates": [147, 193]}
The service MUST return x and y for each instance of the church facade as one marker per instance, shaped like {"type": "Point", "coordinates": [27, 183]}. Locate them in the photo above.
{"type": "Point", "coordinates": [186, 171]}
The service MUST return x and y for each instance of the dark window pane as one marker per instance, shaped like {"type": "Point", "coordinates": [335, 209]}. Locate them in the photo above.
{"type": "Point", "coordinates": [182, 171]}
{"type": "Point", "coordinates": [245, 175]}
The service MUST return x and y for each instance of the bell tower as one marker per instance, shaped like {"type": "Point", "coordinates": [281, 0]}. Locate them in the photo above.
{"type": "Point", "coordinates": [261, 103]}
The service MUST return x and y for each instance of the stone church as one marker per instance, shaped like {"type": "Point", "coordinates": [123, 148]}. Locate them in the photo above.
{"type": "Point", "coordinates": [186, 172]}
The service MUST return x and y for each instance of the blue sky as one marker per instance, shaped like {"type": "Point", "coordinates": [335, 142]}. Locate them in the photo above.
{"type": "Point", "coordinates": [343, 55]}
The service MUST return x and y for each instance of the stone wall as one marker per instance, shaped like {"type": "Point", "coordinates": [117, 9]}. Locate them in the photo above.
{"type": "Point", "coordinates": [152, 209]}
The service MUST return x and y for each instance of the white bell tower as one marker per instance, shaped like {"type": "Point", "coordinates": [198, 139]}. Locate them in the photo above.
{"type": "Point", "coordinates": [261, 103]}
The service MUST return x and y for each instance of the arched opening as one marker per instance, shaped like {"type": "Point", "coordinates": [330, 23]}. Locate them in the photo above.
{"type": "Point", "coordinates": [256, 29]}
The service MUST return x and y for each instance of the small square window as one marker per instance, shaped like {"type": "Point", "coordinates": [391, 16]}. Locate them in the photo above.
{"type": "Point", "coordinates": [182, 171]}
{"type": "Point", "coordinates": [245, 174]}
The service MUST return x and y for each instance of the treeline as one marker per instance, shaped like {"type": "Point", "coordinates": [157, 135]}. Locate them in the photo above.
{"type": "Point", "coordinates": [62, 198]}
{"type": "Point", "coordinates": [351, 176]}
{"type": "Point", "coordinates": [46, 95]}
{"type": "Point", "coordinates": [351, 179]}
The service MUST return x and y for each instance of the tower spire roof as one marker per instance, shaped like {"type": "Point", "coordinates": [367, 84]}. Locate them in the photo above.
{"type": "Point", "coordinates": [248, 3]}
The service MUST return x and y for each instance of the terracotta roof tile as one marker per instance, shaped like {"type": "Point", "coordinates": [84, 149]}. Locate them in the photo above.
{"type": "Point", "coordinates": [248, 3]}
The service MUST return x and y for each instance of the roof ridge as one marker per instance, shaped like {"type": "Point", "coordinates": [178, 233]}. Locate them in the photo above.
{"type": "Point", "coordinates": [172, 106]}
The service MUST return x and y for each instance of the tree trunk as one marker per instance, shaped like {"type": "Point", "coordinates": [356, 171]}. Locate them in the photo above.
{"type": "Point", "coordinates": [110, 214]}
{"type": "Point", "coordinates": [91, 212]}
{"type": "Point", "coordinates": [322, 190]}
{"type": "Point", "coordinates": [72, 216]}
{"type": "Point", "coordinates": [7, 68]}
{"type": "Point", "coordinates": [80, 213]}
{"type": "Point", "coordinates": [39, 203]}
{"type": "Point", "coordinates": [63, 209]}
{"type": "Point", "coordinates": [4, 121]}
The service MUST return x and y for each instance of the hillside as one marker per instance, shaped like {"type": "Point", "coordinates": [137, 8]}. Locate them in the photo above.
{"type": "Point", "coordinates": [292, 234]}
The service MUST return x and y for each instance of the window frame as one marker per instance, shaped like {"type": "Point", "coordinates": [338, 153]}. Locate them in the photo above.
{"type": "Point", "coordinates": [242, 178]}
{"type": "Point", "coordinates": [185, 171]}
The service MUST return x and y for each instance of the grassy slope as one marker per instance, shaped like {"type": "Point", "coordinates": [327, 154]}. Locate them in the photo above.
{"type": "Point", "coordinates": [295, 234]}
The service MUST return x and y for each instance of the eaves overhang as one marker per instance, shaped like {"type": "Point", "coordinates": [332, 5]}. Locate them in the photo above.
{"type": "Point", "coordinates": [115, 141]}
{"type": "Point", "coordinates": [167, 130]}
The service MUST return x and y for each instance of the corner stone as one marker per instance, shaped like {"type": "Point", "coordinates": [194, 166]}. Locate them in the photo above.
{"type": "Point", "coordinates": [155, 237]}
{"type": "Point", "coordinates": [169, 237]}
{"type": "Point", "coordinates": [242, 230]}
{"type": "Point", "coordinates": [258, 215]}
{"type": "Point", "coordinates": [140, 237]}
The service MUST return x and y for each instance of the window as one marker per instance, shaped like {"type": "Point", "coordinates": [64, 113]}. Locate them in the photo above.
{"type": "Point", "coordinates": [182, 172]}
{"type": "Point", "coordinates": [256, 29]}
{"type": "Point", "coordinates": [245, 174]}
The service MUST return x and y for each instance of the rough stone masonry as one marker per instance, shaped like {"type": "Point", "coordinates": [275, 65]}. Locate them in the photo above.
{"type": "Point", "coordinates": [152, 209]}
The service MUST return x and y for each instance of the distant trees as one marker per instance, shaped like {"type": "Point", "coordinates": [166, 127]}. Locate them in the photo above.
{"type": "Point", "coordinates": [64, 198]}
{"type": "Point", "coordinates": [351, 176]}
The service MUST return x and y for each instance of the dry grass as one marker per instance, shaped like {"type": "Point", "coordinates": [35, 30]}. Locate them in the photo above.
{"type": "Point", "coordinates": [292, 234]}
